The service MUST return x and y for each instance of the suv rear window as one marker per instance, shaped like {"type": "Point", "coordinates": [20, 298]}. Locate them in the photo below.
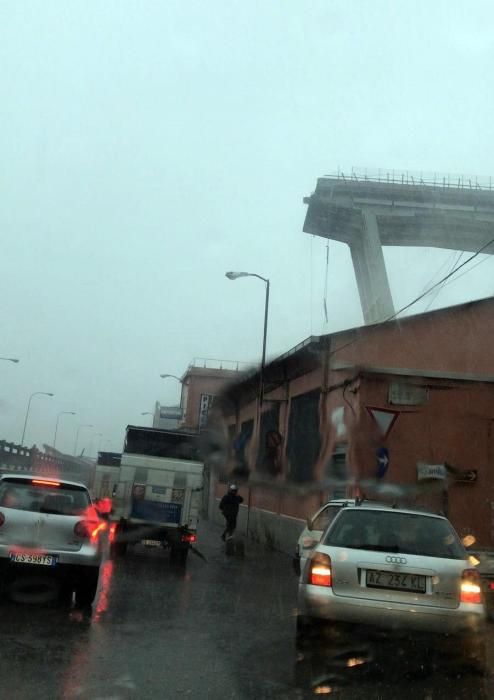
{"type": "Point", "coordinates": [40, 498]}
{"type": "Point", "coordinates": [325, 517]}
{"type": "Point", "coordinates": [390, 531]}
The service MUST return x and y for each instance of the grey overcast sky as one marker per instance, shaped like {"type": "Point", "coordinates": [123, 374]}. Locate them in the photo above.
{"type": "Point", "coordinates": [147, 147]}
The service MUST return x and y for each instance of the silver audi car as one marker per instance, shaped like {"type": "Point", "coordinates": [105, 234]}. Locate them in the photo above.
{"type": "Point", "coordinates": [395, 569]}
{"type": "Point", "coordinates": [50, 530]}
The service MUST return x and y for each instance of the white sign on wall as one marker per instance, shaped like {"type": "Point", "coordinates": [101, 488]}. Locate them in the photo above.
{"type": "Point", "coordinates": [204, 406]}
{"type": "Point", "coordinates": [430, 471]}
{"type": "Point", "coordinates": [402, 394]}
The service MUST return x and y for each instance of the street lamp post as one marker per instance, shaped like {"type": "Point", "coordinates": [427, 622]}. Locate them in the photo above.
{"type": "Point", "coordinates": [98, 435]}
{"type": "Point", "coordinates": [86, 425]}
{"type": "Point", "coordinates": [235, 276]}
{"type": "Point", "coordinates": [62, 413]}
{"type": "Point", "coordinates": [36, 393]}
{"type": "Point", "coordinates": [148, 413]}
{"type": "Point", "coordinates": [173, 376]}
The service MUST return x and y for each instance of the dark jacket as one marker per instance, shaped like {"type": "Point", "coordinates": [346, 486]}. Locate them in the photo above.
{"type": "Point", "coordinates": [230, 503]}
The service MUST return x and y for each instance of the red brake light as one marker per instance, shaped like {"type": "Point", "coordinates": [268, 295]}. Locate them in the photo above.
{"type": "Point", "coordinates": [470, 587]}
{"type": "Point", "coordinates": [45, 482]}
{"type": "Point", "coordinates": [491, 586]}
{"type": "Point", "coordinates": [88, 530]}
{"type": "Point", "coordinates": [320, 571]}
{"type": "Point", "coordinates": [98, 528]}
{"type": "Point", "coordinates": [190, 537]}
{"type": "Point", "coordinates": [81, 529]}
{"type": "Point", "coordinates": [2, 519]}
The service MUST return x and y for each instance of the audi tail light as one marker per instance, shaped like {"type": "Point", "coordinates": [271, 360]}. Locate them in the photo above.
{"type": "Point", "coordinates": [470, 587]}
{"type": "Point", "coordinates": [319, 571]}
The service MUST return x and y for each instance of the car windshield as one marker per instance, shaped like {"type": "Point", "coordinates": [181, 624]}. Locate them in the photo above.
{"type": "Point", "coordinates": [40, 498]}
{"type": "Point", "coordinates": [388, 531]}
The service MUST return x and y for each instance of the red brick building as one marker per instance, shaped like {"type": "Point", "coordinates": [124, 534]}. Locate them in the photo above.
{"type": "Point", "coordinates": [404, 408]}
{"type": "Point", "coordinates": [202, 382]}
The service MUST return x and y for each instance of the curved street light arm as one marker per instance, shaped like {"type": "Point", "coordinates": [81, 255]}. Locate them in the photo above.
{"type": "Point", "coordinates": [36, 393]}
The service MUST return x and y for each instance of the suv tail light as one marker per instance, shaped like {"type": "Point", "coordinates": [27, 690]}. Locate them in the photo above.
{"type": "Point", "coordinates": [319, 571]}
{"type": "Point", "coordinates": [2, 519]}
{"type": "Point", "coordinates": [87, 529]}
{"type": "Point", "coordinates": [81, 529]}
{"type": "Point", "coordinates": [470, 587]}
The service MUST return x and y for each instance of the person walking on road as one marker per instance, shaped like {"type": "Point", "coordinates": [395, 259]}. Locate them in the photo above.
{"type": "Point", "coordinates": [229, 506]}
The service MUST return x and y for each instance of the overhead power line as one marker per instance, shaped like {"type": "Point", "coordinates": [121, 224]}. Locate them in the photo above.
{"type": "Point", "coordinates": [421, 296]}
{"type": "Point", "coordinates": [441, 281]}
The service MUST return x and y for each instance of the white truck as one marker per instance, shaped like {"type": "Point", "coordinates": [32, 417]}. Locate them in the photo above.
{"type": "Point", "coordinates": [157, 499]}
{"type": "Point", "coordinates": [106, 475]}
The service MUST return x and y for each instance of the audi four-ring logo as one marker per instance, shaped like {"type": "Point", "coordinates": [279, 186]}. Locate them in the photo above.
{"type": "Point", "coordinates": [396, 560]}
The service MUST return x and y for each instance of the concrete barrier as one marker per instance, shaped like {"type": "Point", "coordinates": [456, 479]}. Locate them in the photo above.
{"type": "Point", "coordinates": [277, 532]}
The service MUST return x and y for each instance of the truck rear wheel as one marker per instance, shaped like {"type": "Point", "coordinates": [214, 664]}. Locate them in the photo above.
{"type": "Point", "coordinates": [178, 555]}
{"type": "Point", "coordinates": [119, 549]}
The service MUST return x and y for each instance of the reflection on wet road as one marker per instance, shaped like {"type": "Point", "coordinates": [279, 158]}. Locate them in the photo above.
{"type": "Point", "coordinates": [223, 628]}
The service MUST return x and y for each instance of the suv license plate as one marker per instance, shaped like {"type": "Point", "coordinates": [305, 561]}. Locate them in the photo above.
{"type": "Point", "coordinates": [26, 558]}
{"type": "Point", "coordinates": [151, 543]}
{"type": "Point", "coordinates": [393, 581]}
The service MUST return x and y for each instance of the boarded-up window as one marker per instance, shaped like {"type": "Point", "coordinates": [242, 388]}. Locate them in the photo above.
{"type": "Point", "coordinates": [303, 440]}
{"type": "Point", "coordinates": [240, 444]}
{"type": "Point", "coordinates": [267, 452]}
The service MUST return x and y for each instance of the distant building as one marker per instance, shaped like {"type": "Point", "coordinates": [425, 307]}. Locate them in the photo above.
{"type": "Point", "coordinates": [202, 382]}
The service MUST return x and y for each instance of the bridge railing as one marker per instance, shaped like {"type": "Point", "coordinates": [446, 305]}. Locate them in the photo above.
{"type": "Point", "coordinates": [414, 178]}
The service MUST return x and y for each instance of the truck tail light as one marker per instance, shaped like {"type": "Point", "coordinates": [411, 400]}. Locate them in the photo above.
{"type": "Point", "coordinates": [319, 571]}
{"type": "Point", "coordinates": [189, 537]}
{"type": "Point", "coordinates": [470, 587]}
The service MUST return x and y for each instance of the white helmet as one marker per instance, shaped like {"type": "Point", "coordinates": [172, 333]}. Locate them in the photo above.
{"type": "Point", "coordinates": [233, 487]}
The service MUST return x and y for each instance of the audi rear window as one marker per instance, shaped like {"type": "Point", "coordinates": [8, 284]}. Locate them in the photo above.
{"type": "Point", "coordinates": [390, 531]}
{"type": "Point", "coordinates": [64, 499]}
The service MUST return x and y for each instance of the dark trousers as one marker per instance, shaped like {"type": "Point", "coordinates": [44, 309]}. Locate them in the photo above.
{"type": "Point", "coordinates": [231, 524]}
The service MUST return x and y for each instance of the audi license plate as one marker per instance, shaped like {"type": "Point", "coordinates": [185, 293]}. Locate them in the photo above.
{"type": "Point", "coordinates": [32, 558]}
{"type": "Point", "coordinates": [398, 582]}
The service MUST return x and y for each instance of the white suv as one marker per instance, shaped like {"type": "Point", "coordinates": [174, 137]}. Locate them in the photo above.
{"type": "Point", "coordinates": [49, 528]}
{"type": "Point", "coordinates": [314, 529]}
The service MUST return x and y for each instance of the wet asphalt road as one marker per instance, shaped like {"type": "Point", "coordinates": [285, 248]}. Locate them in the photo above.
{"type": "Point", "coordinates": [224, 628]}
